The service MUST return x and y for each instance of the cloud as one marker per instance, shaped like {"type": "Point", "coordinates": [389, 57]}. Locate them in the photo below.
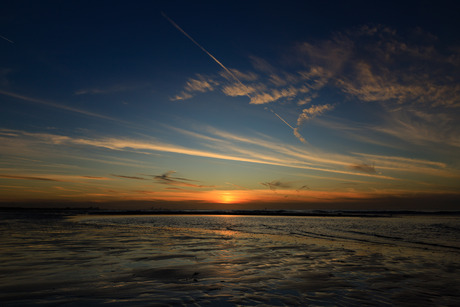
{"type": "Point", "coordinates": [236, 89]}
{"type": "Point", "coordinates": [312, 112]}
{"type": "Point", "coordinates": [304, 187]}
{"type": "Point", "coordinates": [410, 165]}
{"type": "Point", "coordinates": [28, 178]}
{"type": "Point", "coordinates": [245, 76]}
{"type": "Point", "coordinates": [329, 55]}
{"type": "Point", "coordinates": [182, 96]}
{"type": "Point", "coordinates": [422, 128]}
{"type": "Point", "coordinates": [201, 84]}
{"type": "Point", "coordinates": [168, 179]}
{"type": "Point", "coordinates": [128, 177]}
{"type": "Point", "coordinates": [228, 71]}
{"type": "Point", "coordinates": [368, 63]}
{"type": "Point", "coordinates": [299, 136]}
{"type": "Point", "coordinates": [262, 151]}
{"type": "Point", "coordinates": [95, 178]}
{"type": "Point", "coordinates": [55, 105]}
{"type": "Point", "coordinates": [306, 100]}
{"type": "Point", "coordinates": [370, 169]}
{"type": "Point", "coordinates": [391, 68]}
{"type": "Point", "coordinates": [54, 177]}
{"type": "Point", "coordinates": [107, 90]}
{"type": "Point", "coordinates": [237, 76]}
{"type": "Point", "coordinates": [277, 94]}
{"type": "Point", "coordinates": [275, 184]}
{"type": "Point", "coordinates": [8, 40]}
{"type": "Point", "coordinates": [307, 114]}
{"type": "Point", "coordinates": [262, 65]}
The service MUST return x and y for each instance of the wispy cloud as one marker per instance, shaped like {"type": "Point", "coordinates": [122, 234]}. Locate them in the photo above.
{"type": "Point", "coordinates": [237, 76]}
{"type": "Point", "coordinates": [418, 127]}
{"type": "Point", "coordinates": [304, 187]}
{"type": "Point", "coordinates": [28, 178]}
{"type": "Point", "coordinates": [8, 40]}
{"type": "Point", "coordinates": [55, 105]}
{"type": "Point", "coordinates": [168, 179]}
{"type": "Point", "coordinates": [312, 112]}
{"type": "Point", "coordinates": [428, 76]}
{"type": "Point", "coordinates": [374, 64]}
{"type": "Point", "coordinates": [275, 184]}
{"type": "Point", "coordinates": [117, 88]}
{"type": "Point", "coordinates": [94, 177]}
{"type": "Point", "coordinates": [182, 96]}
{"type": "Point", "coordinates": [363, 167]}
{"type": "Point", "coordinates": [232, 147]}
{"type": "Point", "coordinates": [52, 177]}
{"type": "Point", "coordinates": [200, 85]}
{"type": "Point", "coordinates": [128, 177]}
{"type": "Point", "coordinates": [228, 71]}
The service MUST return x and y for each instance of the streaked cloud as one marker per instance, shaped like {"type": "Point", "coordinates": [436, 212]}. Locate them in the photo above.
{"type": "Point", "coordinates": [8, 40]}
{"type": "Point", "coordinates": [275, 184]}
{"type": "Point", "coordinates": [242, 76]}
{"type": "Point", "coordinates": [363, 167]}
{"type": "Point", "coordinates": [422, 127]}
{"type": "Point", "coordinates": [128, 177]}
{"type": "Point", "coordinates": [52, 177]}
{"type": "Point", "coordinates": [279, 155]}
{"type": "Point", "coordinates": [168, 179]}
{"type": "Point", "coordinates": [182, 96]}
{"type": "Point", "coordinates": [28, 178]}
{"type": "Point", "coordinates": [117, 88]}
{"type": "Point", "coordinates": [365, 64]}
{"type": "Point", "coordinates": [200, 85]}
{"type": "Point", "coordinates": [304, 187]}
{"type": "Point", "coordinates": [227, 71]}
{"type": "Point", "coordinates": [55, 105]}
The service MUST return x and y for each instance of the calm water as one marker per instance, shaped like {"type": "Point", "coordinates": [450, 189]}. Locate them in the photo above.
{"type": "Point", "coordinates": [230, 260]}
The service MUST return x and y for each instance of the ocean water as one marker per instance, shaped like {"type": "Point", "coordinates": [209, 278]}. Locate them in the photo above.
{"type": "Point", "coordinates": [223, 260]}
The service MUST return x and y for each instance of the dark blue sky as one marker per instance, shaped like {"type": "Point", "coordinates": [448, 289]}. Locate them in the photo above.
{"type": "Point", "coordinates": [354, 100]}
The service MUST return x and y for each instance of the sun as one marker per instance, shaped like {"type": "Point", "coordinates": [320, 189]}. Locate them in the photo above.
{"type": "Point", "coordinates": [227, 198]}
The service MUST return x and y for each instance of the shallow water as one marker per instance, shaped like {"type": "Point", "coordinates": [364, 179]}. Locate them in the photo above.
{"type": "Point", "coordinates": [228, 260]}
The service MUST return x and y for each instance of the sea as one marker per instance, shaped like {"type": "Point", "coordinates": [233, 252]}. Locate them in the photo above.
{"type": "Point", "coordinates": [120, 259]}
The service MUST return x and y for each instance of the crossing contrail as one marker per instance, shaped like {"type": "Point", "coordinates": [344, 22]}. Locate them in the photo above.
{"type": "Point", "coordinates": [296, 133]}
{"type": "Point", "coordinates": [282, 119]}
{"type": "Point", "coordinates": [295, 130]}
{"type": "Point", "coordinates": [207, 52]}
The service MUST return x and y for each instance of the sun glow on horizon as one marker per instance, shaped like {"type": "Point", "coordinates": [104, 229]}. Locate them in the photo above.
{"type": "Point", "coordinates": [227, 198]}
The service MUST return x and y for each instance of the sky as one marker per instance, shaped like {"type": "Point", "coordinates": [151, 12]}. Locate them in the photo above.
{"type": "Point", "coordinates": [230, 104]}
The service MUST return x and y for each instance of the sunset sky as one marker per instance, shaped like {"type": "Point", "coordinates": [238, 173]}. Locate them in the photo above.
{"type": "Point", "coordinates": [237, 104]}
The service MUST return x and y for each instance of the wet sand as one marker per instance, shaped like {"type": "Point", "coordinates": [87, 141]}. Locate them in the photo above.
{"type": "Point", "coordinates": [82, 261]}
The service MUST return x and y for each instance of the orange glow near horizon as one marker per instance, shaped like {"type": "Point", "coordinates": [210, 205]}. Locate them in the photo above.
{"type": "Point", "coordinates": [227, 198]}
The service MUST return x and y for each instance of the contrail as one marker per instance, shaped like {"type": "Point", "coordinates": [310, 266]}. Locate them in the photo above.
{"type": "Point", "coordinates": [296, 133]}
{"type": "Point", "coordinates": [282, 119]}
{"type": "Point", "coordinates": [295, 130]}
{"type": "Point", "coordinates": [6, 39]}
{"type": "Point", "coordinates": [207, 52]}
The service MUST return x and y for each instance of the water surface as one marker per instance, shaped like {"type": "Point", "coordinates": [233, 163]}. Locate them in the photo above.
{"type": "Point", "coordinates": [227, 260]}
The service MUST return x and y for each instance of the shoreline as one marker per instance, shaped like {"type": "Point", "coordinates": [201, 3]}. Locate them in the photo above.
{"type": "Point", "coordinates": [301, 213]}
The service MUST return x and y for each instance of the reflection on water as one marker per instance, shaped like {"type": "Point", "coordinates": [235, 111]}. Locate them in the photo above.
{"type": "Point", "coordinates": [227, 260]}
